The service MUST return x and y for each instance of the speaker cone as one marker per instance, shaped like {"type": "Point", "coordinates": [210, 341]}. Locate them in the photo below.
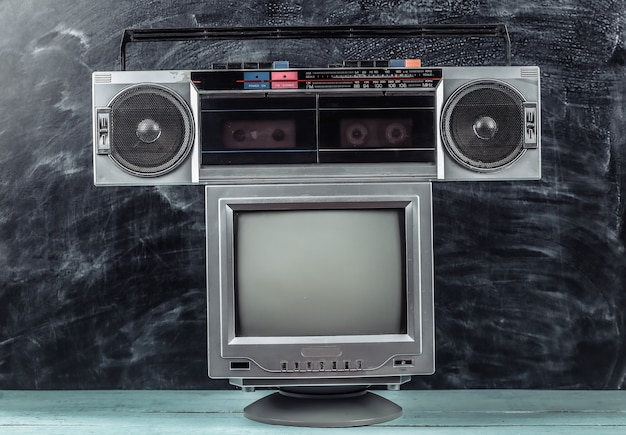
{"type": "Point", "coordinates": [482, 125]}
{"type": "Point", "coordinates": [151, 130]}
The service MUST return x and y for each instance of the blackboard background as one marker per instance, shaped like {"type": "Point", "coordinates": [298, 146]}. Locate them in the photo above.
{"type": "Point", "coordinates": [104, 287]}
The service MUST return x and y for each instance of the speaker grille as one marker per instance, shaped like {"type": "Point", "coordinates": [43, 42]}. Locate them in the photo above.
{"type": "Point", "coordinates": [151, 130]}
{"type": "Point", "coordinates": [482, 125]}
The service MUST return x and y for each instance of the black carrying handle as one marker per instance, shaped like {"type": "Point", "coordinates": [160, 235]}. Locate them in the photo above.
{"type": "Point", "coordinates": [320, 32]}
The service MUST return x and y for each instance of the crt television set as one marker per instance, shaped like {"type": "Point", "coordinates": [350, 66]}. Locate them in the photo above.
{"type": "Point", "coordinates": [320, 291]}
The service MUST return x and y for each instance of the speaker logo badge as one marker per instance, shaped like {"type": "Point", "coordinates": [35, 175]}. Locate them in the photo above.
{"type": "Point", "coordinates": [530, 125]}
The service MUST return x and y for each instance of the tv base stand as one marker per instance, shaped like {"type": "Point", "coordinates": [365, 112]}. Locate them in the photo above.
{"type": "Point", "coordinates": [323, 407]}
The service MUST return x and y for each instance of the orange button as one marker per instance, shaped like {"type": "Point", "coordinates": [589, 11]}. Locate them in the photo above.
{"type": "Point", "coordinates": [413, 63]}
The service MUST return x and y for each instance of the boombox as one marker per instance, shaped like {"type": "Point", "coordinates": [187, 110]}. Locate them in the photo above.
{"type": "Point", "coordinates": [358, 122]}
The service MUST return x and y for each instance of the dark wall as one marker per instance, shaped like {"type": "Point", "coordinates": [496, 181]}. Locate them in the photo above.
{"type": "Point", "coordinates": [104, 287]}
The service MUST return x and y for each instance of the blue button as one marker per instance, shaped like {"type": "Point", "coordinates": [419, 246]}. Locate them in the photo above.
{"type": "Point", "coordinates": [256, 80]}
{"type": "Point", "coordinates": [397, 63]}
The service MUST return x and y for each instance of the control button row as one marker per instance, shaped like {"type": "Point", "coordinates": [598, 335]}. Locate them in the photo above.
{"type": "Point", "coordinates": [393, 63]}
{"type": "Point", "coordinates": [270, 80]}
{"type": "Point", "coordinates": [278, 64]}
{"type": "Point", "coordinates": [283, 64]}
{"type": "Point", "coordinates": [321, 366]}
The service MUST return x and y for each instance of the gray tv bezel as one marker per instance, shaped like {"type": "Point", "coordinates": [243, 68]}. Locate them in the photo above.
{"type": "Point", "coordinates": [257, 360]}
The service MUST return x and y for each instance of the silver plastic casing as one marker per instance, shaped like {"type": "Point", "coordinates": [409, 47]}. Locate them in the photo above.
{"type": "Point", "coordinates": [523, 81]}
{"type": "Point", "coordinates": [303, 360]}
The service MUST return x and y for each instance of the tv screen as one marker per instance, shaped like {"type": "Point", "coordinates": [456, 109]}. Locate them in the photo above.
{"type": "Point", "coordinates": [319, 272]}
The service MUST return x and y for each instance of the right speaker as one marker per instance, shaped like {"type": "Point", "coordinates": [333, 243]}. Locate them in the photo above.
{"type": "Point", "coordinates": [490, 124]}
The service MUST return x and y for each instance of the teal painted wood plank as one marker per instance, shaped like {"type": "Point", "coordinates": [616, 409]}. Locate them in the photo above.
{"type": "Point", "coordinates": [220, 412]}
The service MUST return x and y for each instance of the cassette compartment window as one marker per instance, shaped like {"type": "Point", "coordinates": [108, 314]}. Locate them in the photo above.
{"type": "Point", "coordinates": [259, 129]}
{"type": "Point", "coordinates": [376, 128]}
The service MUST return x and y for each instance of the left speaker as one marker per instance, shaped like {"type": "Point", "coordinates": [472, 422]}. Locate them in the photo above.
{"type": "Point", "coordinates": [144, 129]}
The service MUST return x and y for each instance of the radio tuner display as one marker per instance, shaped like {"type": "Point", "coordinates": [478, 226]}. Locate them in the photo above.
{"type": "Point", "coordinates": [374, 79]}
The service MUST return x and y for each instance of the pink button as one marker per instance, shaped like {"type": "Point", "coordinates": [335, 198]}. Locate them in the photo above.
{"type": "Point", "coordinates": [284, 79]}
{"type": "Point", "coordinates": [284, 75]}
